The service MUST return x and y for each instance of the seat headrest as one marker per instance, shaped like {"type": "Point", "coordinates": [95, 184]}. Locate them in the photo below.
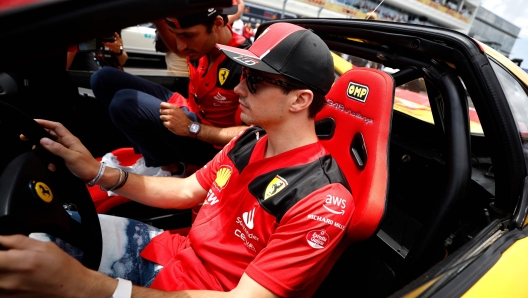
{"type": "Point", "coordinates": [356, 121]}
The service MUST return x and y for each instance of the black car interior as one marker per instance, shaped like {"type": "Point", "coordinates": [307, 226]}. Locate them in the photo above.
{"type": "Point", "coordinates": [448, 187]}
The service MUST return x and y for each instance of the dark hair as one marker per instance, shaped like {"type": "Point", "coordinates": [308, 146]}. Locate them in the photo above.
{"type": "Point", "coordinates": [197, 19]}
{"type": "Point", "coordinates": [317, 105]}
{"type": "Point", "coordinates": [318, 101]}
{"type": "Point", "coordinates": [209, 23]}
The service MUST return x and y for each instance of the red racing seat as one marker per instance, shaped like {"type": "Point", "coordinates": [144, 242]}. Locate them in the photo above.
{"type": "Point", "coordinates": [355, 127]}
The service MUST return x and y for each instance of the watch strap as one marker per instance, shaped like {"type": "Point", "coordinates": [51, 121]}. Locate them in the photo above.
{"type": "Point", "coordinates": [118, 53]}
{"type": "Point", "coordinates": [123, 290]}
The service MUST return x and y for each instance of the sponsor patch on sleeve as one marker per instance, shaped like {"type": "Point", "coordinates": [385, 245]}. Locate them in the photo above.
{"type": "Point", "coordinates": [318, 239]}
{"type": "Point", "coordinates": [222, 176]}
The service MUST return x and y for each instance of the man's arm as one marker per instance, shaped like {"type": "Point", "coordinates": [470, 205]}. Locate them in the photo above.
{"type": "Point", "coordinates": [246, 287]}
{"type": "Point", "coordinates": [233, 17]}
{"type": "Point", "coordinates": [164, 192]}
{"type": "Point", "coordinates": [32, 268]}
{"type": "Point", "coordinates": [218, 136]}
{"type": "Point", "coordinates": [175, 120]}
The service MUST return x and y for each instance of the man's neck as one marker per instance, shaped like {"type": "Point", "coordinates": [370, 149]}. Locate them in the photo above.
{"type": "Point", "coordinates": [224, 36]}
{"type": "Point", "coordinates": [286, 138]}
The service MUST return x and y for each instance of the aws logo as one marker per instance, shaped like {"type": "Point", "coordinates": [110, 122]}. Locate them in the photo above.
{"type": "Point", "coordinates": [335, 204]}
{"type": "Point", "coordinates": [357, 92]}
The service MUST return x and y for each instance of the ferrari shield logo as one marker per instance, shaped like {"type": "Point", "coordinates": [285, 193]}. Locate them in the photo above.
{"type": "Point", "coordinates": [275, 186]}
{"type": "Point", "coordinates": [222, 75]}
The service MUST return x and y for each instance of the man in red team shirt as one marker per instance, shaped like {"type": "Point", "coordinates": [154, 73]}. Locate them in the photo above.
{"type": "Point", "coordinates": [265, 228]}
{"type": "Point", "coordinates": [165, 127]}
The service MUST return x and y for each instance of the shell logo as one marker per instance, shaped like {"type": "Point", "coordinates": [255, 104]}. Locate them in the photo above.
{"type": "Point", "coordinates": [222, 176]}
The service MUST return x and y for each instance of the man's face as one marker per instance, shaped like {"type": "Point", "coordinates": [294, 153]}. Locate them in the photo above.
{"type": "Point", "coordinates": [195, 41]}
{"type": "Point", "coordinates": [265, 107]}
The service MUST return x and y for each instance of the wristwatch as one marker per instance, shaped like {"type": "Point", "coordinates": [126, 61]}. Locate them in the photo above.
{"type": "Point", "coordinates": [194, 129]}
{"type": "Point", "coordinates": [118, 53]}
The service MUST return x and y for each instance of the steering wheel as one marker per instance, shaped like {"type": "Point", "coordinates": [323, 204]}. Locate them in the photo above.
{"type": "Point", "coordinates": [32, 198]}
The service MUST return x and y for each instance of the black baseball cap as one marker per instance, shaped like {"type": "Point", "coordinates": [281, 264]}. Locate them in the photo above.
{"type": "Point", "coordinates": [289, 50]}
{"type": "Point", "coordinates": [203, 17]}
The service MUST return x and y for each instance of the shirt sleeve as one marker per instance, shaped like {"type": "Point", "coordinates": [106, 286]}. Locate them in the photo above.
{"type": "Point", "coordinates": [207, 174]}
{"type": "Point", "coordinates": [303, 241]}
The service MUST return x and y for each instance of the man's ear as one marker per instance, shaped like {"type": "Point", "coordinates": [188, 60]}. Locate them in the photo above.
{"type": "Point", "coordinates": [219, 21]}
{"type": "Point", "coordinates": [303, 100]}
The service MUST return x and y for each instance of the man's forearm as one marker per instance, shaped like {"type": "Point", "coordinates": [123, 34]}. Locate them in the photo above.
{"type": "Point", "coordinates": [218, 136]}
{"type": "Point", "coordinates": [140, 292]}
{"type": "Point", "coordinates": [161, 192]}
{"type": "Point", "coordinates": [246, 287]}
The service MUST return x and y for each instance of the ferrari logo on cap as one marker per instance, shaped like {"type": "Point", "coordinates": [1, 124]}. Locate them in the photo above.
{"type": "Point", "coordinates": [357, 92]}
{"type": "Point", "coordinates": [275, 186]}
{"type": "Point", "coordinates": [222, 75]}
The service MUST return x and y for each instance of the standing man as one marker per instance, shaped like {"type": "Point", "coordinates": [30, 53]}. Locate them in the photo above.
{"type": "Point", "coordinates": [166, 128]}
{"type": "Point", "coordinates": [264, 229]}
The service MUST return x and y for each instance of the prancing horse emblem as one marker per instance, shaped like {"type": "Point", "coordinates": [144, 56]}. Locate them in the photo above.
{"type": "Point", "coordinates": [275, 186]}
{"type": "Point", "coordinates": [223, 73]}
{"type": "Point", "coordinates": [43, 192]}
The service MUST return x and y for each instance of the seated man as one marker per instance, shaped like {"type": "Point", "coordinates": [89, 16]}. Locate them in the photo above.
{"type": "Point", "coordinates": [259, 232]}
{"type": "Point", "coordinates": [184, 129]}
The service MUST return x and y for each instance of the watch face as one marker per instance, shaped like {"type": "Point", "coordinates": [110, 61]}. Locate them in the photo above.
{"type": "Point", "coordinates": [195, 128]}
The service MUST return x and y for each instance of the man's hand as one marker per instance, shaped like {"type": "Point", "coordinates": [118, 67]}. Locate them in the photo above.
{"type": "Point", "coordinates": [174, 119]}
{"type": "Point", "coordinates": [32, 268]}
{"type": "Point", "coordinates": [76, 157]}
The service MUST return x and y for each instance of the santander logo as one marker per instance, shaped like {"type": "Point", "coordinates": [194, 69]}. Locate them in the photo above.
{"type": "Point", "coordinates": [317, 239]}
{"type": "Point", "coordinates": [248, 218]}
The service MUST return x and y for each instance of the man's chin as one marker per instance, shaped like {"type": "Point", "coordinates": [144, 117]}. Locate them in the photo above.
{"type": "Point", "coordinates": [245, 119]}
{"type": "Point", "coordinates": [194, 56]}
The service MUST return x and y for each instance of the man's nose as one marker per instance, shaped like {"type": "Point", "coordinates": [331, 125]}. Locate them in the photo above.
{"type": "Point", "coordinates": [241, 89]}
{"type": "Point", "coordinates": [181, 45]}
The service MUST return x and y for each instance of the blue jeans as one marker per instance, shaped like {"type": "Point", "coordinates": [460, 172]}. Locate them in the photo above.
{"type": "Point", "coordinates": [133, 104]}
{"type": "Point", "coordinates": [123, 241]}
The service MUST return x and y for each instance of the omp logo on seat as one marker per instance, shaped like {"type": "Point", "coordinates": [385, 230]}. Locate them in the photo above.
{"type": "Point", "coordinates": [357, 92]}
